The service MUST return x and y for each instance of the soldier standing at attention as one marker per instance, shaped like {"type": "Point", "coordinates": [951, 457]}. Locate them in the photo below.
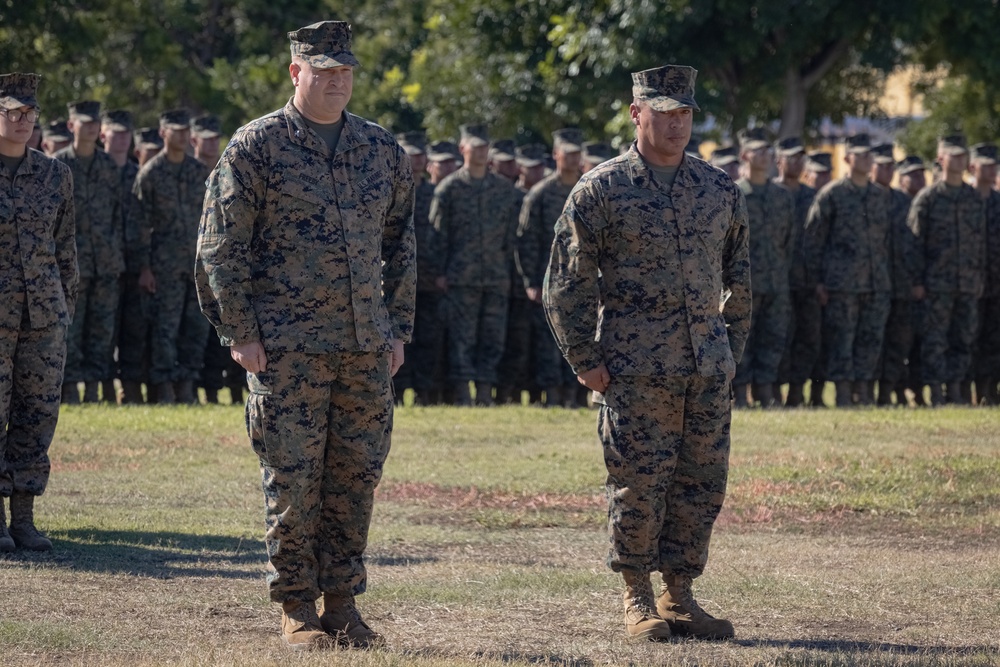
{"type": "Point", "coordinates": [984, 169]}
{"type": "Point", "coordinates": [475, 214]}
{"type": "Point", "coordinates": [899, 325]}
{"type": "Point", "coordinates": [771, 215]}
{"type": "Point", "coordinates": [38, 281]}
{"type": "Point", "coordinates": [100, 247]}
{"type": "Point", "coordinates": [594, 154]}
{"type": "Point", "coordinates": [802, 342]}
{"type": "Point", "coordinates": [949, 219]}
{"type": "Point", "coordinates": [55, 137]}
{"type": "Point", "coordinates": [170, 190]}
{"type": "Point", "coordinates": [652, 239]}
{"type": "Point", "coordinates": [727, 158]}
{"type": "Point", "coordinates": [819, 170]}
{"type": "Point", "coordinates": [847, 246]}
{"type": "Point", "coordinates": [541, 209]}
{"type": "Point", "coordinates": [306, 269]}
{"type": "Point", "coordinates": [206, 131]}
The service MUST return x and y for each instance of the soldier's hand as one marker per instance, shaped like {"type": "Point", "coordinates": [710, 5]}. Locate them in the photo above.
{"type": "Point", "coordinates": [395, 357]}
{"type": "Point", "coordinates": [250, 356]}
{"type": "Point", "coordinates": [919, 292]}
{"type": "Point", "coordinates": [596, 379]}
{"type": "Point", "coordinates": [147, 281]}
{"type": "Point", "coordinates": [534, 294]}
{"type": "Point", "coordinates": [441, 282]}
{"type": "Point", "coordinates": [822, 295]}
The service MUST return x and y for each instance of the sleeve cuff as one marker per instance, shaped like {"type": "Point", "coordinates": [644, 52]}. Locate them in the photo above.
{"type": "Point", "coordinates": [584, 357]}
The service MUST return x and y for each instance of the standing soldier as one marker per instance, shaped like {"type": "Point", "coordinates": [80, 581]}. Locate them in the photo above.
{"type": "Point", "coordinates": [206, 131]}
{"type": "Point", "coordinates": [643, 252]}
{"type": "Point", "coordinates": [984, 170]}
{"type": "Point", "coordinates": [133, 339]}
{"type": "Point", "coordinates": [475, 214]}
{"type": "Point", "coordinates": [100, 243]}
{"type": "Point", "coordinates": [539, 213]}
{"type": "Point", "coordinates": [595, 153]}
{"type": "Point", "coordinates": [170, 189]}
{"type": "Point", "coordinates": [503, 160]}
{"type": "Point", "coordinates": [771, 215]}
{"type": "Point", "coordinates": [55, 137]}
{"type": "Point", "coordinates": [727, 158]}
{"type": "Point", "coordinates": [38, 281]}
{"type": "Point", "coordinates": [899, 325]}
{"type": "Point", "coordinates": [802, 341]}
{"type": "Point", "coordinates": [306, 269]}
{"type": "Point", "coordinates": [819, 170]}
{"type": "Point", "coordinates": [949, 220]}
{"type": "Point", "coordinates": [847, 246]}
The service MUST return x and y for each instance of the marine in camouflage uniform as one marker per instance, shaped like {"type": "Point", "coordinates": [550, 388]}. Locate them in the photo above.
{"type": "Point", "coordinates": [170, 190]}
{"type": "Point", "coordinates": [306, 268]}
{"type": "Point", "coordinates": [541, 209]}
{"type": "Point", "coordinates": [894, 375]}
{"type": "Point", "coordinates": [133, 337]}
{"type": "Point", "coordinates": [847, 248]}
{"type": "Point", "coordinates": [771, 212]}
{"type": "Point", "coordinates": [804, 325]}
{"type": "Point", "coordinates": [38, 283]}
{"type": "Point", "coordinates": [949, 220]}
{"type": "Point", "coordinates": [475, 214]}
{"type": "Point", "coordinates": [987, 366]}
{"type": "Point", "coordinates": [100, 243]}
{"type": "Point", "coordinates": [635, 295]}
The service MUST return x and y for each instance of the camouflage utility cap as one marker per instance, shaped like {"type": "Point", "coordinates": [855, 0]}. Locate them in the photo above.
{"type": "Point", "coordinates": [530, 155]}
{"type": "Point", "coordinates": [175, 119]}
{"type": "Point", "coordinates": [666, 88]}
{"type": "Point", "coordinates": [86, 110]}
{"type": "Point", "coordinates": [754, 138]}
{"type": "Point", "coordinates": [475, 135]}
{"type": "Point", "coordinates": [206, 126]}
{"type": "Point", "coordinates": [441, 151]}
{"type": "Point", "coordinates": [984, 153]}
{"type": "Point", "coordinates": [953, 144]}
{"type": "Point", "coordinates": [148, 137]}
{"type": "Point", "coordinates": [324, 45]}
{"type": "Point", "coordinates": [909, 164]}
{"type": "Point", "coordinates": [883, 154]}
{"type": "Point", "coordinates": [414, 143]}
{"type": "Point", "coordinates": [118, 120]}
{"type": "Point", "coordinates": [789, 146]}
{"type": "Point", "coordinates": [723, 155]}
{"type": "Point", "coordinates": [18, 90]}
{"type": "Point", "coordinates": [858, 143]}
{"type": "Point", "coordinates": [502, 150]}
{"type": "Point", "coordinates": [568, 140]}
{"type": "Point", "coordinates": [596, 152]}
{"type": "Point", "coordinates": [820, 161]}
{"type": "Point", "coordinates": [58, 130]}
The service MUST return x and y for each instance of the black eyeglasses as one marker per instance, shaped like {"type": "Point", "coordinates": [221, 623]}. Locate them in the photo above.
{"type": "Point", "coordinates": [16, 115]}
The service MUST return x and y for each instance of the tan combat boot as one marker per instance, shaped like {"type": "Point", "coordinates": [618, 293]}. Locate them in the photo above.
{"type": "Point", "coordinates": [342, 620]}
{"type": "Point", "coordinates": [22, 523]}
{"type": "Point", "coordinates": [641, 621]}
{"type": "Point", "coordinates": [300, 626]}
{"type": "Point", "coordinates": [6, 542]}
{"type": "Point", "coordinates": [677, 606]}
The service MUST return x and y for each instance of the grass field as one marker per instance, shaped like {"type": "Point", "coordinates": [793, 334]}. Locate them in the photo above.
{"type": "Point", "coordinates": [849, 538]}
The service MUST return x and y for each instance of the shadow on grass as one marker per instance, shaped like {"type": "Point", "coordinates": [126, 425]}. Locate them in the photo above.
{"type": "Point", "coordinates": [505, 657]}
{"type": "Point", "coordinates": [852, 646]}
{"type": "Point", "coordinates": [160, 555]}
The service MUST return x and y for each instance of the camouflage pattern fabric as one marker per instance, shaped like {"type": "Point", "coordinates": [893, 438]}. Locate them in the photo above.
{"type": "Point", "coordinates": [950, 225]}
{"type": "Point", "coordinates": [127, 175]}
{"type": "Point", "coordinates": [38, 285]}
{"type": "Point", "coordinates": [133, 335]}
{"type": "Point", "coordinates": [168, 206]}
{"type": "Point", "coordinates": [178, 332]}
{"type": "Point", "coordinates": [428, 342]}
{"type": "Point", "coordinates": [848, 238]}
{"type": "Point", "coordinates": [950, 322]}
{"type": "Point", "coordinates": [423, 354]}
{"type": "Point", "coordinates": [771, 214]}
{"type": "Point", "coordinates": [903, 249]}
{"type": "Point", "coordinates": [320, 425]}
{"type": "Point", "coordinates": [807, 336]}
{"type": "Point", "coordinates": [311, 252]}
{"type": "Point", "coordinates": [804, 198]}
{"type": "Point", "coordinates": [477, 325]}
{"type": "Point", "coordinates": [853, 330]}
{"type": "Point", "coordinates": [666, 449]}
{"type": "Point", "coordinates": [274, 197]}
{"type": "Point", "coordinates": [98, 200]}
{"type": "Point", "coordinates": [664, 259]}
{"type": "Point", "coordinates": [90, 341]}
{"type": "Point", "coordinates": [898, 341]}
{"type": "Point", "coordinates": [540, 211]}
{"type": "Point", "coordinates": [989, 338]}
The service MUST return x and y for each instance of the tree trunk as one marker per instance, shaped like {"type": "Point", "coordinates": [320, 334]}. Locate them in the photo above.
{"type": "Point", "coordinates": [793, 109]}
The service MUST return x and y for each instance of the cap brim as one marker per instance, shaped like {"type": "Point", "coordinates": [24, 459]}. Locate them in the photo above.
{"type": "Point", "coordinates": [670, 103]}
{"type": "Point", "coordinates": [723, 161]}
{"type": "Point", "coordinates": [331, 60]}
{"type": "Point", "coordinates": [754, 145]}
{"type": "Point", "coordinates": [789, 152]}
{"type": "Point", "coordinates": [414, 150]}
{"type": "Point", "coordinates": [175, 126]}
{"type": "Point", "coordinates": [909, 169]}
{"type": "Point", "coordinates": [817, 166]}
{"type": "Point", "coordinates": [441, 157]}
{"type": "Point", "coordinates": [528, 163]}
{"type": "Point", "coordinates": [502, 157]}
{"type": "Point", "coordinates": [858, 150]}
{"type": "Point", "coordinates": [954, 150]}
{"type": "Point", "coordinates": [117, 127]}
{"type": "Point", "coordinates": [14, 102]}
{"type": "Point", "coordinates": [984, 160]}
{"type": "Point", "coordinates": [83, 118]}
{"type": "Point", "coordinates": [884, 159]}
{"type": "Point", "coordinates": [567, 147]}
{"type": "Point", "coordinates": [475, 142]}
